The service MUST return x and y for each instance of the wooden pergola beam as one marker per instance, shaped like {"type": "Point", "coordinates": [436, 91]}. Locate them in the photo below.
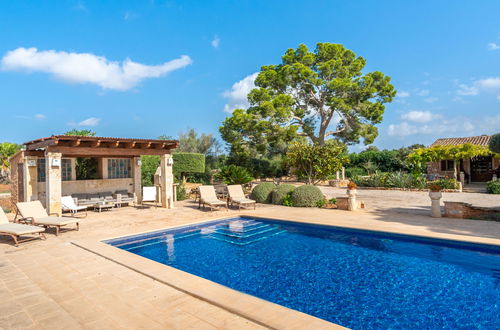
{"type": "Point", "coordinates": [106, 152]}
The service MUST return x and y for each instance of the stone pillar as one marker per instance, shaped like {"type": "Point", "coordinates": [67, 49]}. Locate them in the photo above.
{"type": "Point", "coordinates": [337, 175]}
{"type": "Point", "coordinates": [103, 168]}
{"type": "Point", "coordinates": [343, 173]}
{"type": "Point", "coordinates": [53, 189]}
{"type": "Point", "coordinates": [167, 181]}
{"type": "Point", "coordinates": [73, 169]}
{"type": "Point", "coordinates": [435, 203]}
{"type": "Point", "coordinates": [136, 174]}
{"type": "Point", "coordinates": [30, 179]}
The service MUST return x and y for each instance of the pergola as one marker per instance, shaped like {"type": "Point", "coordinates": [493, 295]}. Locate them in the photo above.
{"type": "Point", "coordinates": [55, 156]}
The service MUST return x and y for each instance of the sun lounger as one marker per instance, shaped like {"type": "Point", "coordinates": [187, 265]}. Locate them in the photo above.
{"type": "Point", "coordinates": [68, 204]}
{"type": "Point", "coordinates": [208, 197]}
{"type": "Point", "coordinates": [16, 230]}
{"type": "Point", "coordinates": [34, 213]}
{"type": "Point", "coordinates": [237, 196]}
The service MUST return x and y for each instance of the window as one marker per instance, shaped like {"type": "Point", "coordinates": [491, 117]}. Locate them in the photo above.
{"type": "Point", "coordinates": [40, 167]}
{"type": "Point", "coordinates": [119, 168]}
{"type": "Point", "coordinates": [447, 165]}
{"type": "Point", "coordinates": [66, 169]}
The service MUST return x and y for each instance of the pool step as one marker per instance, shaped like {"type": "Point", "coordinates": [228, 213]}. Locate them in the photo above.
{"type": "Point", "coordinates": [248, 233]}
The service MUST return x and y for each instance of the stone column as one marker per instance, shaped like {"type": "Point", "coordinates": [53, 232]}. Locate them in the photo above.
{"type": "Point", "coordinates": [30, 179]}
{"type": "Point", "coordinates": [167, 181]}
{"type": "Point", "coordinates": [103, 168]}
{"type": "Point", "coordinates": [136, 174]}
{"type": "Point", "coordinates": [53, 189]}
{"type": "Point", "coordinates": [343, 173]}
{"type": "Point", "coordinates": [73, 169]}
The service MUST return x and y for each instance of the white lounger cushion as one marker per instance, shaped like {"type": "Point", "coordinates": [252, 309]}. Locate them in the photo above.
{"type": "Point", "coordinates": [68, 203]}
{"type": "Point", "coordinates": [55, 221]}
{"type": "Point", "coordinates": [236, 194]}
{"type": "Point", "coordinates": [19, 229]}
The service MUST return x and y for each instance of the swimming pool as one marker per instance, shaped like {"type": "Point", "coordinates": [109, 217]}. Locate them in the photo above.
{"type": "Point", "coordinates": [358, 279]}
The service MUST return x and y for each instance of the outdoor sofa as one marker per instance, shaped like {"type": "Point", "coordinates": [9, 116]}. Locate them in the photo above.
{"type": "Point", "coordinates": [119, 197]}
{"type": "Point", "coordinates": [16, 230]}
{"type": "Point", "coordinates": [34, 214]}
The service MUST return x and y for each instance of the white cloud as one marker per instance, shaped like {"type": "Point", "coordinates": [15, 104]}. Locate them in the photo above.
{"type": "Point", "coordinates": [453, 126]}
{"type": "Point", "coordinates": [457, 126]}
{"type": "Point", "coordinates": [493, 46]}
{"type": "Point", "coordinates": [431, 99]}
{"type": "Point", "coordinates": [467, 90]}
{"type": "Point", "coordinates": [88, 68]}
{"type": "Point", "coordinates": [491, 85]}
{"type": "Point", "coordinates": [422, 92]}
{"type": "Point", "coordinates": [40, 116]}
{"type": "Point", "coordinates": [403, 94]}
{"type": "Point", "coordinates": [89, 122]}
{"type": "Point", "coordinates": [215, 42]}
{"type": "Point", "coordinates": [237, 95]}
{"type": "Point", "coordinates": [420, 116]}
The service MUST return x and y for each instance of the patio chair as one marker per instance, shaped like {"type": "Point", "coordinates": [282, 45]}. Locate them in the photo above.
{"type": "Point", "coordinates": [34, 213]}
{"type": "Point", "coordinates": [149, 195]}
{"type": "Point", "coordinates": [208, 197]}
{"type": "Point", "coordinates": [16, 230]}
{"type": "Point", "coordinates": [237, 196]}
{"type": "Point", "coordinates": [68, 204]}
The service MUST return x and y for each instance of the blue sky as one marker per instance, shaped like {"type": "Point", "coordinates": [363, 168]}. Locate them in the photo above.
{"type": "Point", "coordinates": [147, 68]}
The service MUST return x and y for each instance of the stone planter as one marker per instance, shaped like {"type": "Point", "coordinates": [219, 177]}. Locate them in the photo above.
{"type": "Point", "coordinates": [435, 203]}
{"type": "Point", "coordinates": [352, 204]}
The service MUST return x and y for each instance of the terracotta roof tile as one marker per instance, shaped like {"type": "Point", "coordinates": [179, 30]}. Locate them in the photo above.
{"type": "Point", "coordinates": [481, 140]}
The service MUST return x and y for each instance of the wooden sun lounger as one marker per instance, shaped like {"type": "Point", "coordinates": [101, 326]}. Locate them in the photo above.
{"type": "Point", "coordinates": [16, 230]}
{"type": "Point", "coordinates": [34, 213]}
{"type": "Point", "coordinates": [209, 198]}
{"type": "Point", "coordinates": [237, 196]}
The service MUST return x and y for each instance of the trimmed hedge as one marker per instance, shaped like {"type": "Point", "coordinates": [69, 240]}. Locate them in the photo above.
{"type": "Point", "coordinates": [307, 196]}
{"type": "Point", "coordinates": [188, 162]}
{"type": "Point", "coordinates": [280, 192]}
{"type": "Point", "coordinates": [262, 192]}
{"type": "Point", "coordinates": [493, 186]}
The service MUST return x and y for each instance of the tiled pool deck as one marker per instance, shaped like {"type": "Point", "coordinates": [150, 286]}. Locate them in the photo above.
{"type": "Point", "coordinates": [55, 284]}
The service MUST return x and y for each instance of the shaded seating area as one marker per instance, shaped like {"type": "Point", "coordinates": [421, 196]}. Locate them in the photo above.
{"type": "Point", "coordinates": [92, 170]}
{"type": "Point", "coordinates": [16, 230]}
{"type": "Point", "coordinates": [34, 214]}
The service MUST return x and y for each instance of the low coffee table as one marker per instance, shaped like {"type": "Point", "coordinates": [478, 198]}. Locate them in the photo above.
{"type": "Point", "coordinates": [105, 205]}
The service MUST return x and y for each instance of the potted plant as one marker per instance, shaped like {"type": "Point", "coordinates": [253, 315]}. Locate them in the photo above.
{"type": "Point", "coordinates": [351, 188]}
{"type": "Point", "coordinates": [331, 203]}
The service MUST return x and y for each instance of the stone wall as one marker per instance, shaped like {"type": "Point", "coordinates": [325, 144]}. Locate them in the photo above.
{"type": "Point", "coordinates": [467, 211]}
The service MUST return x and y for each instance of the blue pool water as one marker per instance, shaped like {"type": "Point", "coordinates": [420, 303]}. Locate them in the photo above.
{"type": "Point", "coordinates": [358, 279]}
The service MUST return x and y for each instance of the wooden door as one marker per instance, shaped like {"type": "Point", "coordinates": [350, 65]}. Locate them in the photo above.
{"type": "Point", "coordinates": [481, 169]}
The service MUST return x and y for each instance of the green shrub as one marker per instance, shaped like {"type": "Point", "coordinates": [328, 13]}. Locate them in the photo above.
{"type": "Point", "coordinates": [392, 180]}
{"type": "Point", "coordinates": [332, 200]}
{"type": "Point", "coordinates": [182, 194]}
{"type": "Point", "coordinates": [493, 186]}
{"type": "Point", "coordinates": [446, 183]}
{"type": "Point", "coordinates": [262, 192]}
{"type": "Point", "coordinates": [287, 200]}
{"type": "Point", "coordinates": [307, 196]}
{"type": "Point", "coordinates": [494, 144]}
{"type": "Point", "coordinates": [233, 174]}
{"type": "Point", "coordinates": [280, 192]}
{"type": "Point", "coordinates": [321, 203]}
{"type": "Point", "coordinates": [351, 172]}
